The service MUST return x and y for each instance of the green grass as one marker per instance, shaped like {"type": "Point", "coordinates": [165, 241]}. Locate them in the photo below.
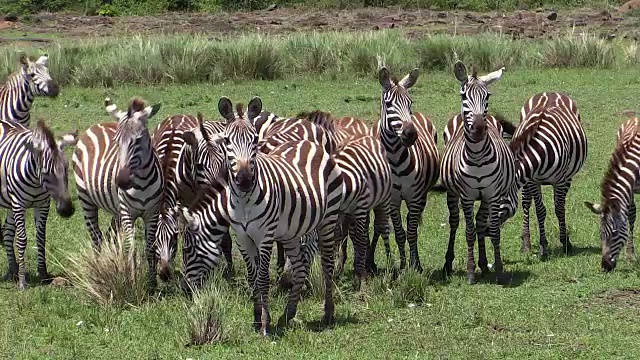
{"type": "Point", "coordinates": [554, 309]}
{"type": "Point", "coordinates": [188, 59]}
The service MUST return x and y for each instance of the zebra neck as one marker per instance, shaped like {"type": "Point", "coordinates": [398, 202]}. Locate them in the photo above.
{"type": "Point", "coordinates": [391, 142]}
{"type": "Point", "coordinates": [475, 149]}
{"type": "Point", "coordinates": [19, 98]}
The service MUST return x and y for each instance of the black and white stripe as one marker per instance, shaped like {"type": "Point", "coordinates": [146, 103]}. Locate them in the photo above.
{"type": "Point", "coordinates": [477, 164]}
{"type": "Point", "coordinates": [33, 170]}
{"type": "Point", "coordinates": [550, 148]}
{"type": "Point", "coordinates": [409, 140]}
{"type": "Point", "coordinates": [18, 93]}
{"type": "Point", "coordinates": [117, 169]}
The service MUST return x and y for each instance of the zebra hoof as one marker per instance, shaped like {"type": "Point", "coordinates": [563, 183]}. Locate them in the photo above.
{"type": "Point", "coordinates": [525, 249]}
{"type": "Point", "coordinates": [447, 270]}
{"type": "Point", "coordinates": [471, 279]}
{"type": "Point", "coordinates": [46, 279]}
{"type": "Point", "coordinates": [327, 321]}
{"type": "Point", "coordinates": [543, 254]}
{"type": "Point", "coordinates": [567, 248]}
{"type": "Point", "coordinates": [22, 285]}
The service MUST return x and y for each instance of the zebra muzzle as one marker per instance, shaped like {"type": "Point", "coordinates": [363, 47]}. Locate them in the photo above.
{"type": "Point", "coordinates": [124, 179]}
{"type": "Point", "coordinates": [244, 180]}
{"type": "Point", "coordinates": [165, 270]}
{"type": "Point", "coordinates": [65, 208]}
{"type": "Point", "coordinates": [608, 264]}
{"type": "Point", "coordinates": [53, 89]}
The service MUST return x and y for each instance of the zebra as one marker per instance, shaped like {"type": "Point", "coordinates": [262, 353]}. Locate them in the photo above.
{"type": "Point", "coordinates": [550, 148]}
{"type": "Point", "coordinates": [18, 93]}
{"type": "Point", "coordinates": [117, 169]}
{"type": "Point", "coordinates": [292, 191]}
{"type": "Point", "coordinates": [181, 142]}
{"type": "Point", "coordinates": [617, 206]}
{"type": "Point", "coordinates": [409, 140]}
{"type": "Point", "coordinates": [477, 164]}
{"type": "Point", "coordinates": [33, 170]}
{"type": "Point", "coordinates": [367, 186]}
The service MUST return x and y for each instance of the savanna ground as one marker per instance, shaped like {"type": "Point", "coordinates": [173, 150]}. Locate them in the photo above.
{"type": "Point", "coordinates": [563, 307]}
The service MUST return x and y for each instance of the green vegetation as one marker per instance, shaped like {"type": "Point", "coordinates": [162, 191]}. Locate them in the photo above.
{"type": "Point", "coordinates": [560, 308]}
{"type": "Point", "coordinates": [187, 59]}
{"type": "Point", "coordinates": [149, 7]}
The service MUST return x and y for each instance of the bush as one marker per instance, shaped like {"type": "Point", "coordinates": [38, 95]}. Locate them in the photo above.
{"type": "Point", "coordinates": [206, 314]}
{"type": "Point", "coordinates": [116, 276]}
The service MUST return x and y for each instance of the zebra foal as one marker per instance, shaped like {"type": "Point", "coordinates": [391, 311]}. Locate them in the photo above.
{"type": "Point", "coordinates": [117, 169]}
{"type": "Point", "coordinates": [620, 183]}
{"type": "Point", "coordinates": [476, 164]}
{"type": "Point", "coordinates": [33, 170]}
{"type": "Point", "coordinates": [20, 89]}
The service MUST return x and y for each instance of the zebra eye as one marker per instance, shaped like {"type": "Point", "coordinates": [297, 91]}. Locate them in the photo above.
{"type": "Point", "coordinates": [388, 104]}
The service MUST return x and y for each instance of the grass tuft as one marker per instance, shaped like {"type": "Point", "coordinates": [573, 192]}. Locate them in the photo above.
{"type": "Point", "coordinates": [207, 313]}
{"type": "Point", "coordinates": [116, 276]}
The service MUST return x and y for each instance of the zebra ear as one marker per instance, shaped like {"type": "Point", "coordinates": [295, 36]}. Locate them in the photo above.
{"type": "Point", "coordinates": [186, 219]}
{"type": "Point", "coordinates": [67, 140]}
{"type": "Point", "coordinates": [190, 138]}
{"type": "Point", "coordinates": [595, 208]}
{"type": "Point", "coordinates": [112, 109]}
{"type": "Point", "coordinates": [460, 71]}
{"type": "Point", "coordinates": [226, 109]}
{"type": "Point", "coordinates": [152, 110]}
{"type": "Point", "coordinates": [410, 80]}
{"type": "Point", "coordinates": [217, 138]}
{"type": "Point", "coordinates": [384, 77]}
{"type": "Point", "coordinates": [492, 77]}
{"type": "Point", "coordinates": [254, 108]}
{"type": "Point", "coordinates": [43, 60]}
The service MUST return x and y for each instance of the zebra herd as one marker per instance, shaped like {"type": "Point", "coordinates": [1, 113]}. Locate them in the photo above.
{"type": "Point", "coordinates": [306, 183]}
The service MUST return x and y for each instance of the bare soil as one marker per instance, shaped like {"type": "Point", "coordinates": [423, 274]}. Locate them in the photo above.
{"type": "Point", "coordinates": [520, 23]}
{"type": "Point", "coordinates": [622, 299]}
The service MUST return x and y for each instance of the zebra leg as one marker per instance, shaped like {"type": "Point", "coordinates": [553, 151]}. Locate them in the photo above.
{"type": "Point", "coordinates": [226, 246]}
{"type": "Point", "coordinates": [494, 232]}
{"type": "Point", "coordinates": [150, 227]}
{"type": "Point", "coordinates": [40, 216]}
{"type": "Point", "coordinates": [631, 215]}
{"type": "Point", "coordinates": [325, 243]}
{"type": "Point", "coordinates": [261, 288]}
{"type": "Point", "coordinates": [526, 204]}
{"type": "Point", "coordinates": [541, 214]}
{"type": "Point", "coordinates": [401, 236]}
{"type": "Point", "coordinates": [281, 258]}
{"type": "Point", "coordinates": [467, 209]}
{"type": "Point", "coordinates": [341, 233]}
{"type": "Point", "coordinates": [482, 227]}
{"type": "Point", "coordinates": [91, 222]}
{"type": "Point", "coordinates": [21, 242]}
{"type": "Point", "coordinates": [360, 239]}
{"type": "Point", "coordinates": [414, 217]}
{"type": "Point", "coordinates": [114, 228]}
{"type": "Point", "coordinates": [380, 227]}
{"type": "Point", "coordinates": [559, 201]}
{"type": "Point", "coordinates": [299, 274]}
{"type": "Point", "coordinates": [454, 221]}
{"type": "Point", "coordinates": [8, 235]}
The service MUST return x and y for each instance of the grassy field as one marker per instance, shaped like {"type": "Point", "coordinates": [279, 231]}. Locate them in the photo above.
{"type": "Point", "coordinates": [564, 307]}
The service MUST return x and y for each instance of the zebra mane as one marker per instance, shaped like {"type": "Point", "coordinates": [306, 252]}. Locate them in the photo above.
{"type": "Point", "coordinates": [321, 118]}
{"type": "Point", "coordinates": [611, 177]}
{"type": "Point", "coordinates": [524, 137]}
{"type": "Point", "coordinates": [135, 105]}
{"type": "Point", "coordinates": [47, 134]}
{"type": "Point", "coordinates": [165, 169]}
{"type": "Point", "coordinates": [239, 111]}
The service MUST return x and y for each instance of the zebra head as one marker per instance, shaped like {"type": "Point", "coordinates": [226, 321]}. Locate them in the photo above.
{"type": "Point", "coordinates": [613, 231]}
{"type": "Point", "coordinates": [201, 251]}
{"type": "Point", "coordinates": [134, 141]}
{"type": "Point", "coordinates": [54, 167]}
{"type": "Point", "coordinates": [240, 141]}
{"type": "Point", "coordinates": [207, 160]}
{"type": "Point", "coordinates": [395, 106]}
{"type": "Point", "coordinates": [166, 241]}
{"type": "Point", "coordinates": [474, 91]}
{"type": "Point", "coordinates": [37, 75]}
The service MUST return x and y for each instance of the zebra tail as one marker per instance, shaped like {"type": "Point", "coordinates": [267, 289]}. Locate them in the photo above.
{"type": "Point", "coordinates": [507, 127]}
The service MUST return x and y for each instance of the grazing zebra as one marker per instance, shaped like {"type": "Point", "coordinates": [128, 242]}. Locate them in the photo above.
{"type": "Point", "coordinates": [409, 140]}
{"type": "Point", "coordinates": [367, 186]}
{"type": "Point", "coordinates": [293, 129]}
{"type": "Point", "coordinates": [292, 191]}
{"type": "Point", "coordinates": [477, 164]}
{"type": "Point", "coordinates": [185, 170]}
{"type": "Point", "coordinates": [550, 148]}
{"type": "Point", "coordinates": [618, 186]}
{"type": "Point", "coordinates": [17, 94]}
{"type": "Point", "coordinates": [117, 169]}
{"type": "Point", "coordinates": [33, 170]}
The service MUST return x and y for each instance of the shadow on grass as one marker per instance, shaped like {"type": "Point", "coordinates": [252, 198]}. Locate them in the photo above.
{"type": "Point", "coordinates": [340, 320]}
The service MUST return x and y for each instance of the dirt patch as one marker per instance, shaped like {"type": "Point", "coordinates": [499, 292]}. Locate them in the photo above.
{"type": "Point", "coordinates": [620, 298]}
{"type": "Point", "coordinates": [418, 23]}
{"type": "Point", "coordinates": [629, 5]}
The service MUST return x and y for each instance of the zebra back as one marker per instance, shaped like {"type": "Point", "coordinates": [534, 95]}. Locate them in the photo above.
{"type": "Point", "coordinates": [292, 129]}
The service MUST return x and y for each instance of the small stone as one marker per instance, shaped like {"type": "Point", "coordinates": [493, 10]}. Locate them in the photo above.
{"type": "Point", "coordinates": [552, 16]}
{"type": "Point", "coordinates": [272, 7]}
{"type": "Point", "coordinates": [79, 323]}
{"type": "Point", "coordinates": [411, 305]}
{"type": "Point", "coordinates": [442, 15]}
